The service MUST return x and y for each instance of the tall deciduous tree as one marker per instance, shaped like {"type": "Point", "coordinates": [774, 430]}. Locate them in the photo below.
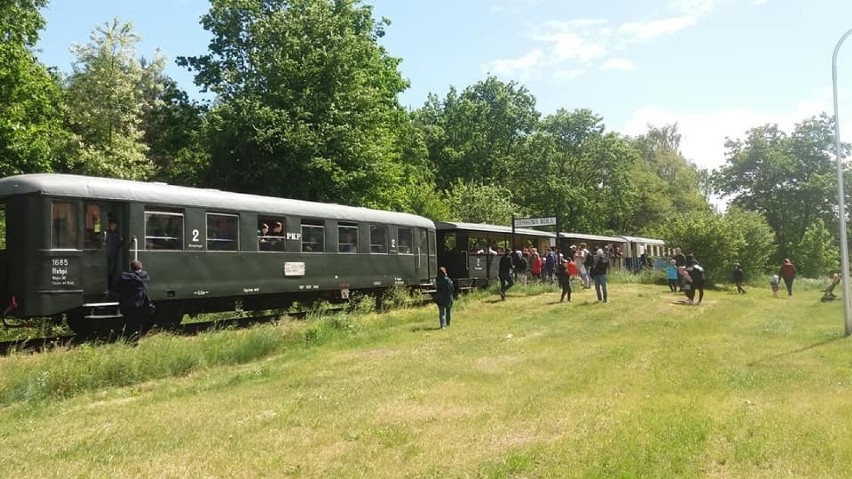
{"type": "Point", "coordinates": [109, 91]}
{"type": "Point", "coordinates": [307, 101]}
{"type": "Point", "coordinates": [477, 135]}
{"type": "Point", "coordinates": [574, 168]}
{"type": "Point", "coordinates": [31, 132]}
{"type": "Point", "coordinates": [790, 179]}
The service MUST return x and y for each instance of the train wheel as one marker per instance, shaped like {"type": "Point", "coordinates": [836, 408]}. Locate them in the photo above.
{"type": "Point", "coordinates": [78, 324]}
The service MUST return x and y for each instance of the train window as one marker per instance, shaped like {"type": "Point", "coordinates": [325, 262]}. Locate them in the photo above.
{"type": "Point", "coordinates": [423, 242]}
{"type": "Point", "coordinates": [271, 235]}
{"type": "Point", "coordinates": [94, 234]}
{"type": "Point", "coordinates": [347, 237]}
{"type": "Point", "coordinates": [164, 230]}
{"type": "Point", "coordinates": [432, 243]}
{"type": "Point", "coordinates": [313, 236]}
{"type": "Point", "coordinates": [223, 232]}
{"type": "Point", "coordinates": [477, 243]}
{"type": "Point", "coordinates": [378, 239]}
{"type": "Point", "coordinates": [405, 240]}
{"type": "Point", "coordinates": [449, 243]}
{"type": "Point", "coordinates": [64, 229]}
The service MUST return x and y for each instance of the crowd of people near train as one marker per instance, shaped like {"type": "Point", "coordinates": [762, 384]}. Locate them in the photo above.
{"type": "Point", "coordinates": [588, 266]}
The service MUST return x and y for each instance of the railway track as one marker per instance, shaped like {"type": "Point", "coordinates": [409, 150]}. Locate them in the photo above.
{"type": "Point", "coordinates": [38, 345]}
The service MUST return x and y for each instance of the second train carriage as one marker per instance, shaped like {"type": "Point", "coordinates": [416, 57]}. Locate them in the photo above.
{"type": "Point", "coordinates": [471, 251]}
{"type": "Point", "coordinates": [206, 250]}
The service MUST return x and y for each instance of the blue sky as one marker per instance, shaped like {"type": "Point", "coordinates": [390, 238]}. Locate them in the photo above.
{"type": "Point", "coordinates": [717, 67]}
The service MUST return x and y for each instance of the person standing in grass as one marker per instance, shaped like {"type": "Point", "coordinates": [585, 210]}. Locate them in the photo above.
{"type": "Point", "coordinates": [133, 301]}
{"type": "Point", "coordinates": [564, 277]}
{"type": "Point", "coordinates": [773, 284]}
{"type": "Point", "coordinates": [738, 276]}
{"type": "Point", "coordinates": [598, 271]}
{"type": "Point", "coordinates": [671, 275]}
{"type": "Point", "coordinates": [444, 297]}
{"type": "Point", "coordinates": [788, 273]}
{"type": "Point", "coordinates": [505, 273]}
{"type": "Point", "coordinates": [696, 278]}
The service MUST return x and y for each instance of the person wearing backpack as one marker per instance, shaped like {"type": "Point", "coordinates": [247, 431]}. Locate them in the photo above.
{"type": "Point", "coordinates": [696, 273]}
{"type": "Point", "coordinates": [599, 270]}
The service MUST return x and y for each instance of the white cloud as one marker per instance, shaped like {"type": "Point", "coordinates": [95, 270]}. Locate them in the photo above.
{"type": "Point", "coordinates": [618, 64]}
{"type": "Point", "coordinates": [703, 133]}
{"type": "Point", "coordinates": [656, 28]}
{"type": "Point", "coordinates": [572, 46]}
{"type": "Point", "coordinates": [570, 74]}
{"type": "Point", "coordinates": [695, 7]}
{"type": "Point", "coordinates": [522, 66]}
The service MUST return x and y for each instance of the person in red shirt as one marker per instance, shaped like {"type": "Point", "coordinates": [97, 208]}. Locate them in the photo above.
{"type": "Point", "coordinates": [788, 273]}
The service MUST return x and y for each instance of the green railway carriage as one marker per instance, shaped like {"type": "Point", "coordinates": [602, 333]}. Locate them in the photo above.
{"type": "Point", "coordinates": [206, 250]}
{"type": "Point", "coordinates": [470, 251]}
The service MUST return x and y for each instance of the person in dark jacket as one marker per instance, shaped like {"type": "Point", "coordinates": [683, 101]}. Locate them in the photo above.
{"type": "Point", "coordinates": [680, 262]}
{"type": "Point", "coordinates": [696, 279]}
{"type": "Point", "coordinates": [788, 273]}
{"type": "Point", "coordinates": [599, 270]}
{"type": "Point", "coordinates": [114, 243]}
{"type": "Point", "coordinates": [505, 273]}
{"type": "Point", "coordinates": [739, 276]}
{"type": "Point", "coordinates": [444, 297]}
{"type": "Point", "coordinates": [564, 278]}
{"type": "Point", "coordinates": [133, 301]}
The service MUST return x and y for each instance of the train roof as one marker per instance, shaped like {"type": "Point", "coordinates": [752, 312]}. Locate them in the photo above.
{"type": "Point", "coordinates": [486, 228]}
{"type": "Point", "coordinates": [639, 239]}
{"type": "Point", "coordinates": [587, 237]}
{"type": "Point", "coordinates": [74, 186]}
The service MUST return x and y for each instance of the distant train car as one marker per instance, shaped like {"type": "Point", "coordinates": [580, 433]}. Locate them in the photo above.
{"type": "Point", "coordinates": [654, 249]}
{"type": "Point", "coordinates": [206, 250]}
{"type": "Point", "coordinates": [470, 251]}
{"type": "Point", "coordinates": [615, 245]}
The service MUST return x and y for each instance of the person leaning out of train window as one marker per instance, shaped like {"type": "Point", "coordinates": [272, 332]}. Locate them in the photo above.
{"type": "Point", "coordinates": [276, 237]}
{"type": "Point", "coordinates": [133, 301]}
{"type": "Point", "coordinates": [263, 238]}
{"type": "Point", "coordinates": [444, 297]}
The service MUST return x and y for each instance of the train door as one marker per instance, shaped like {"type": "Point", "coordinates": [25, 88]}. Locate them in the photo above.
{"type": "Point", "coordinates": [424, 269]}
{"type": "Point", "coordinates": [106, 249]}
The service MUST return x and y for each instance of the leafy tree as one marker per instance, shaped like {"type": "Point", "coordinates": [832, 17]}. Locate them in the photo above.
{"type": "Point", "coordinates": [817, 253]}
{"type": "Point", "coordinates": [753, 244]}
{"type": "Point", "coordinates": [577, 170]}
{"type": "Point", "coordinates": [478, 203]}
{"type": "Point", "coordinates": [477, 135]}
{"type": "Point", "coordinates": [707, 236]}
{"type": "Point", "coordinates": [109, 92]}
{"type": "Point", "coordinates": [307, 101]}
{"type": "Point", "coordinates": [666, 183]}
{"type": "Point", "coordinates": [172, 129]}
{"type": "Point", "coordinates": [31, 131]}
{"type": "Point", "coordinates": [790, 179]}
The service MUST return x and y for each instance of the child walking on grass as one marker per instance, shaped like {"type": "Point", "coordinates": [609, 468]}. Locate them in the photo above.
{"type": "Point", "coordinates": [773, 283]}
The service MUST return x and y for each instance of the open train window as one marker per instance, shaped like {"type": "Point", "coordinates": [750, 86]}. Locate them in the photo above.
{"type": "Point", "coordinates": [271, 235]}
{"type": "Point", "coordinates": [405, 238]}
{"type": "Point", "coordinates": [313, 236]}
{"type": "Point", "coordinates": [164, 229]}
{"type": "Point", "coordinates": [347, 237]}
{"type": "Point", "coordinates": [64, 226]}
{"type": "Point", "coordinates": [93, 236]}
{"type": "Point", "coordinates": [449, 243]}
{"type": "Point", "coordinates": [223, 232]}
{"type": "Point", "coordinates": [378, 239]}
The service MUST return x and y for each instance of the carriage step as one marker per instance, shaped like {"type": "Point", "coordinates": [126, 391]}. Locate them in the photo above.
{"type": "Point", "coordinates": [100, 305]}
{"type": "Point", "coordinates": [103, 316]}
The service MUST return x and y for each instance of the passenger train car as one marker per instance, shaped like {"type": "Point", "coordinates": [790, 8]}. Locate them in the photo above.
{"type": "Point", "coordinates": [470, 251]}
{"type": "Point", "coordinates": [205, 250]}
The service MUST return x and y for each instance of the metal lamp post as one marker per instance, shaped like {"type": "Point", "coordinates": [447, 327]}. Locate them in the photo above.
{"type": "Point", "coordinates": [841, 197]}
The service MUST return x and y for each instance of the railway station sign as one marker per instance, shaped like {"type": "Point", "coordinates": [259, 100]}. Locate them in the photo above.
{"type": "Point", "coordinates": [532, 222]}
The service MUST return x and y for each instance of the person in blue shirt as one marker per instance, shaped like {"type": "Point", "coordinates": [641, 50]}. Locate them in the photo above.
{"type": "Point", "coordinates": [671, 275]}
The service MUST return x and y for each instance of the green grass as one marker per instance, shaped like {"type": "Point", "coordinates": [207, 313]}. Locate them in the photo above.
{"type": "Point", "coordinates": [741, 386]}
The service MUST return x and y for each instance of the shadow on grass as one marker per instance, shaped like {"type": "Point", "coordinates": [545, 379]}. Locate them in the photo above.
{"type": "Point", "coordinates": [418, 329]}
{"type": "Point", "coordinates": [796, 351]}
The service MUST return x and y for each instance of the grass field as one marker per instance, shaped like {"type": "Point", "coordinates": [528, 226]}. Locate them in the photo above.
{"type": "Point", "coordinates": [741, 386]}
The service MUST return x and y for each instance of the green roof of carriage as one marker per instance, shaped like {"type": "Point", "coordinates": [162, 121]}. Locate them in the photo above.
{"type": "Point", "coordinates": [74, 186]}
